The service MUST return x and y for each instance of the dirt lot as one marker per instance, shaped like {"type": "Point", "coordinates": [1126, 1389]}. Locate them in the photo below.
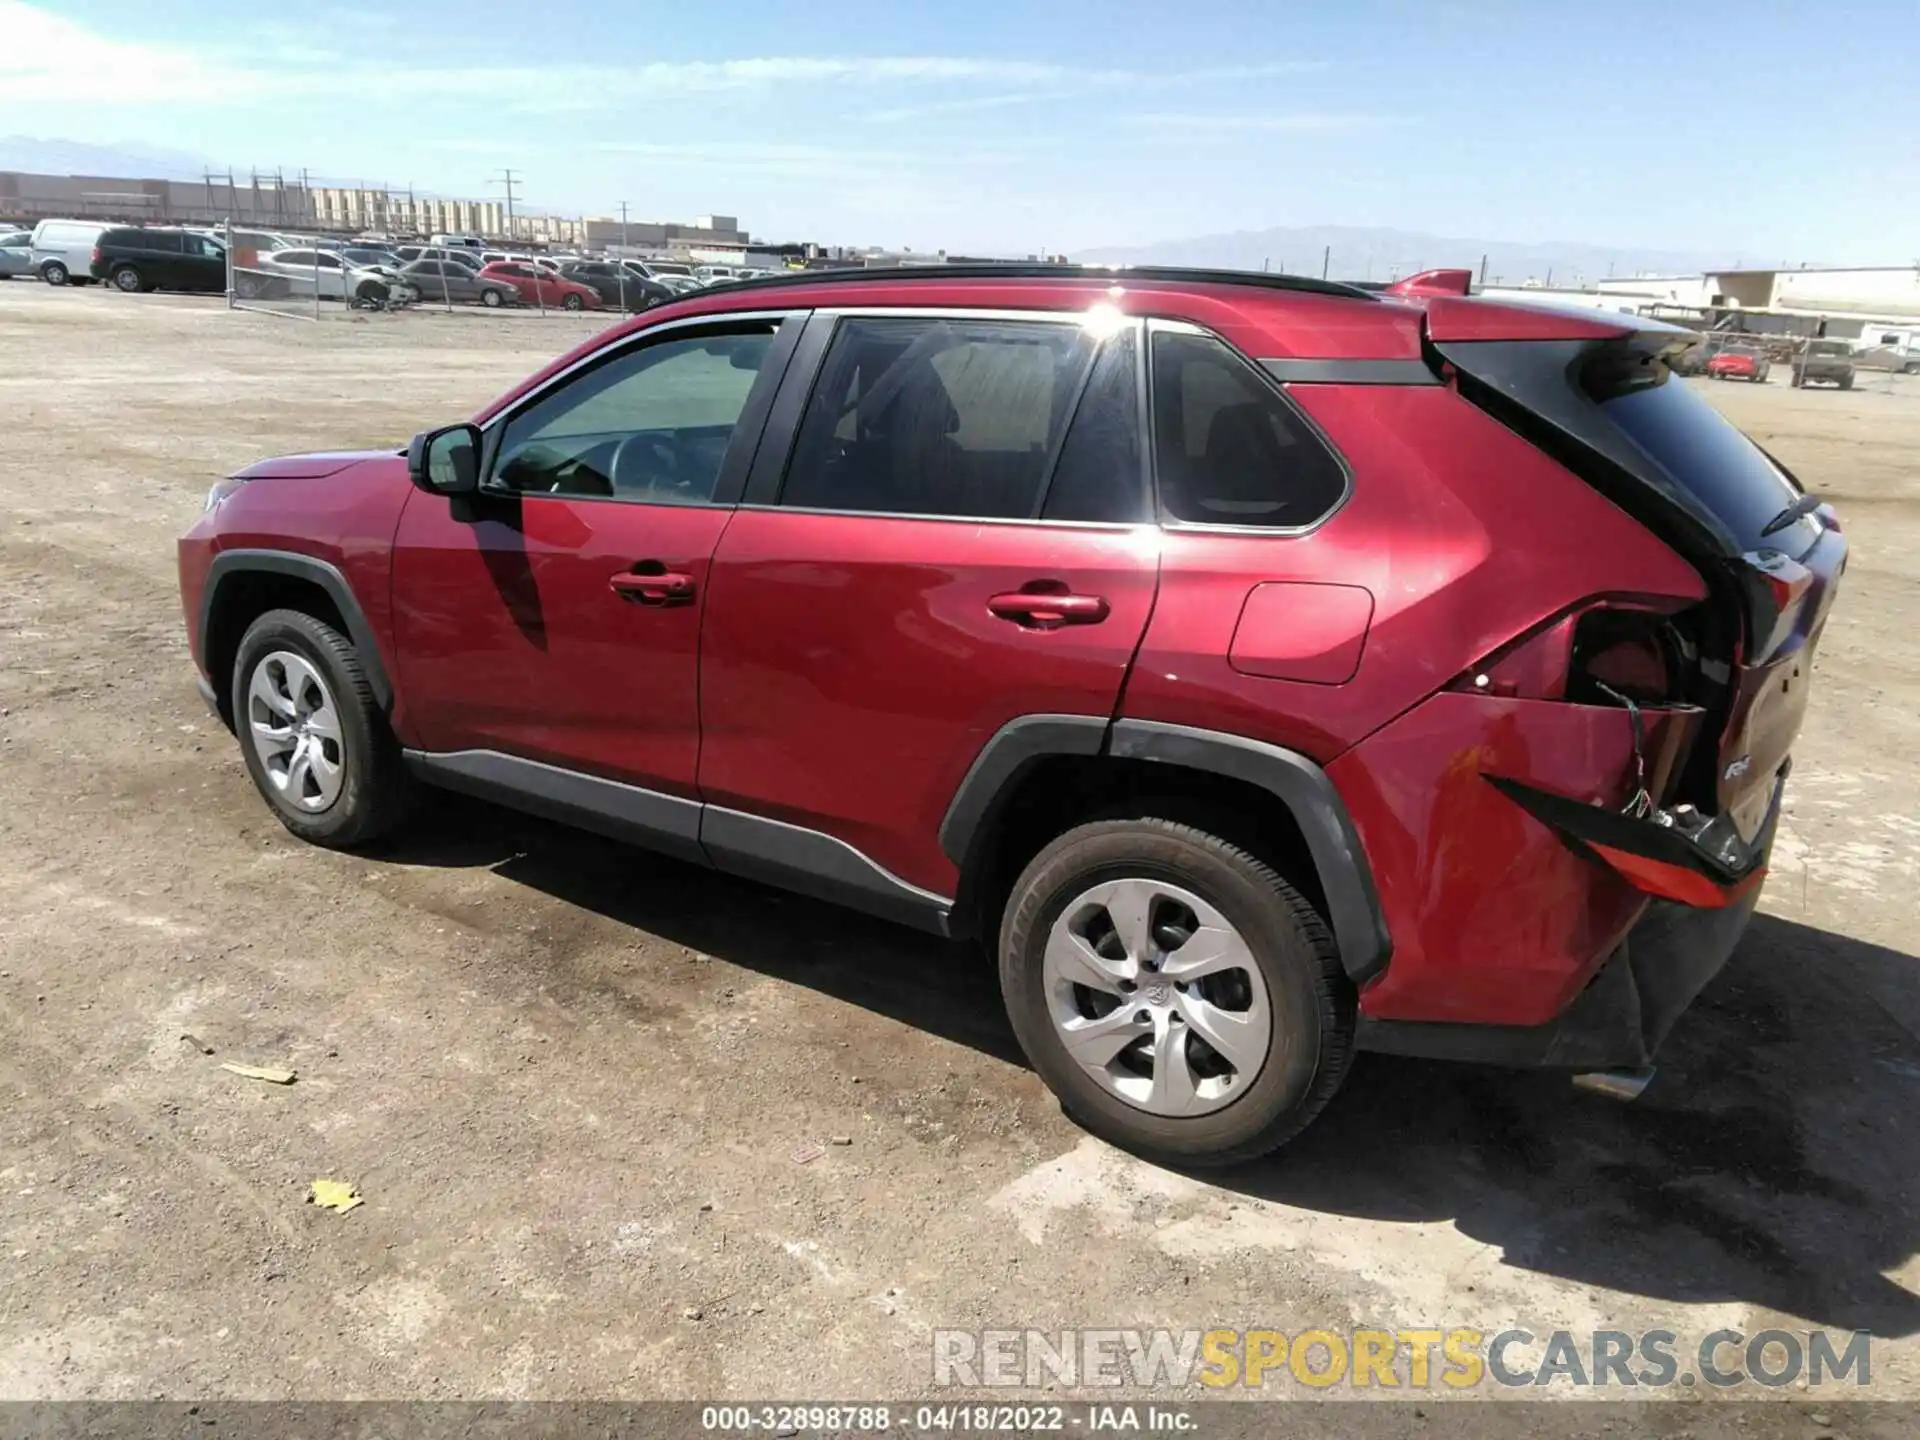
{"type": "Point", "coordinates": [570, 1078]}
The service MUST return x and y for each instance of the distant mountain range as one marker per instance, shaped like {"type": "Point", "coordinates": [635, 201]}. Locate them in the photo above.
{"type": "Point", "coordinates": [1359, 253]}
{"type": "Point", "coordinates": [126, 160]}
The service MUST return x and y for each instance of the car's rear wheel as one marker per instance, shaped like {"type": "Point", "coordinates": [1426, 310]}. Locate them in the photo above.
{"type": "Point", "coordinates": [573, 302]}
{"type": "Point", "coordinates": [1181, 998]}
{"type": "Point", "coordinates": [54, 273]}
{"type": "Point", "coordinates": [127, 280]}
{"type": "Point", "coordinates": [315, 740]}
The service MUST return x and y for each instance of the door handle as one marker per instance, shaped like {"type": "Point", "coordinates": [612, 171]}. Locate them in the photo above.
{"type": "Point", "coordinates": [650, 583]}
{"type": "Point", "coordinates": [1037, 610]}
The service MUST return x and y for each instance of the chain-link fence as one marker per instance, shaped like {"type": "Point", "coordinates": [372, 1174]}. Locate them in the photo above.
{"type": "Point", "coordinates": [305, 276]}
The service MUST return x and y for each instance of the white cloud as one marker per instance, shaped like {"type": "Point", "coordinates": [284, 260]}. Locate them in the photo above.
{"type": "Point", "coordinates": [48, 57]}
{"type": "Point", "coordinates": [1259, 123]}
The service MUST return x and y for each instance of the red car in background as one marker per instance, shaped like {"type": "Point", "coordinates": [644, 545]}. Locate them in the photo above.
{"type": "Point", "coordinates": [538, 287]}
{"type": "Point", "coordinates": [1740, 364]}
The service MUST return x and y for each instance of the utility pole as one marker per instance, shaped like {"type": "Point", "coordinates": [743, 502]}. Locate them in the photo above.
{"type": "Point", "coordinates": [1326, 259]}
{"type": "Point", "coordinates": [507, 178]}
{"type": "Point", "coordinates": [623, 255]}
{"type": "Point", "coordinates": [1483, 272]}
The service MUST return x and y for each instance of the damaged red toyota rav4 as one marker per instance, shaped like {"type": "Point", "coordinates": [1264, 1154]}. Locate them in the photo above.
{"type": "Point", "coordinates": [1263, 669]}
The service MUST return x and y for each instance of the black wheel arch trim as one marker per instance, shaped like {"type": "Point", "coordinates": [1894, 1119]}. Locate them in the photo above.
{"type": "Point", "coordinates": [1301, 785]}
{"type": "Point", "coordinates": [1353, 905]}
{"type": "Point", "coordinates": [229, 563]}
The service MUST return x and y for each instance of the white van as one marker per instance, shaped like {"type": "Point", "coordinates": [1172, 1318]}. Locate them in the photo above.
{"type": "Point", "coordinates": [464, 242]}
{"type": "Point", "coordinates": [63, 250]}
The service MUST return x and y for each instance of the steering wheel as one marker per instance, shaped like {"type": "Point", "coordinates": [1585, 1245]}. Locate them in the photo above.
{"type": "Point", "coordinates": [645, 462]}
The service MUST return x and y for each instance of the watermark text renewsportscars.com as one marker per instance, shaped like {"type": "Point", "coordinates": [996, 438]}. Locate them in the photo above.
{"type": "Point", "coordinates": [1454, 1358]}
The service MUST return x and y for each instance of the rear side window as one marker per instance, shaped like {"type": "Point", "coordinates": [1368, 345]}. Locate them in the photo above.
{"type": "Point", "coordinates": [916, 416]}
{"type": "Point", "coordinates": [1703, 452]}
{"type": "Point", "coordinates": [1228, 450]}
{"type": "Point", "coordinates": [166, 242]}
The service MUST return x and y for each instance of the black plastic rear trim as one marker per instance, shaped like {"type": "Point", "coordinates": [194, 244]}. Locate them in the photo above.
{"type": "Point", "coordinates": [1353, 904]}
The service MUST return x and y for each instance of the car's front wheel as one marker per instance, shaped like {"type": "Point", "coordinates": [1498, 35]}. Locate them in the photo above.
{"type": "Point", "coordinates": [574, 302]}
{"type": "Point", "coordinates": [492, 299]}
{"type": "Point", "coordinates": [1181, 998]}
{"type": "Point", "coordinates": [315, 740]}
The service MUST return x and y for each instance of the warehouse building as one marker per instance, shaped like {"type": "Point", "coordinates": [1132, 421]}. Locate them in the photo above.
{"type": "Point", "coordinates": [1875, 305]}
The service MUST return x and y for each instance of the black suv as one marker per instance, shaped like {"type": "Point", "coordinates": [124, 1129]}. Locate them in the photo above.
{"type": "Point", "coordinates": [618, 287]}
{"type": "Point", "coordinates": [135, 259]}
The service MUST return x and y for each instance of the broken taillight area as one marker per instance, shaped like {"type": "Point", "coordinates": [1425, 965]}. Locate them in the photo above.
{"type": "Point", "coordinates": [1644, 659]}
{"type": "Point", "coordinates": [1674, 854]}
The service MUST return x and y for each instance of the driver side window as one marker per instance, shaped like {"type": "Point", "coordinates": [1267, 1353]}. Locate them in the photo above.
{"type": "Point", "coordinates": [651, 425]}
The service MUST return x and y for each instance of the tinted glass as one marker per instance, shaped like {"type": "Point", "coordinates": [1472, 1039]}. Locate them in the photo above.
{"type": "Point", "coordinates": [1098, 477]}
{"type": "Point", "coordinates": [652, 425]}
{"type": "Point", "coordinates": [1228, 450]}
{"type": "Point", "coordinates": [936, 417]}
{"type": "Point", "coordinates": [164, 242]}
{"type": "Point", "coordinates": [1687, 438]}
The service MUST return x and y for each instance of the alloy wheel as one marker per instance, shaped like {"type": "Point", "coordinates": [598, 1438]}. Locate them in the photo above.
{"type": "Point", "coordinates": [1157, 996]}
{"type": "Point", "coordinates": [294, 728]}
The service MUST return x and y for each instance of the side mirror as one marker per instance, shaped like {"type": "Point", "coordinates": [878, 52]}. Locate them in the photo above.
{"type": "Point", "coordinates": [446, 461]}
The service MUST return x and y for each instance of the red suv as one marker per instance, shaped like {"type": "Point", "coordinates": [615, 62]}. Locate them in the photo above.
{"type": "Point", "coordinates": [1264, 669]}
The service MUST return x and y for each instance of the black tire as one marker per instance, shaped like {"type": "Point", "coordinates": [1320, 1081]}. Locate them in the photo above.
{"type": "Point", "coordinates": [1846, 382]}
{"type": "Point", "coordinates": [1311, 998]}
{"type": "Point", "coordinates": [492, 299]}
{"type": "Point", "coordinates": [377, 791]}
{"type": "Point", "coordinates": [126, 279]}
{"type": "Point", "coordinates": [55, 273]}
{"type": "Point", "coordinates": [573, 302]}
{"type": "Point", "coordinates": [1910, 369]}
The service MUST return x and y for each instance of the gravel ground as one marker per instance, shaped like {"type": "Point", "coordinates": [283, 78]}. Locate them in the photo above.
{"type": "Point", "coordinates": [571, 1080]}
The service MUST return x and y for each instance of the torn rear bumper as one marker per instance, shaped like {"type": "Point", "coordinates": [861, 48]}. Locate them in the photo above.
{"type": "Point", "coordinates": [1620, 1019]}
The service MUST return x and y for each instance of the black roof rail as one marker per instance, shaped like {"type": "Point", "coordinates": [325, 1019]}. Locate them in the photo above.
{"type": "Point", "coordinates": [1299, 284]}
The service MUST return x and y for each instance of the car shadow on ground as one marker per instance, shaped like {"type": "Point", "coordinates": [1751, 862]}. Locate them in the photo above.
{"type": "Point", "coordinates": [1775, 1160]}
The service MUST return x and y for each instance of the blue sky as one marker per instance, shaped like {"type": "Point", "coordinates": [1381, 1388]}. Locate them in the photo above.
{"type": "Point", "coordinates": [1784, 130]}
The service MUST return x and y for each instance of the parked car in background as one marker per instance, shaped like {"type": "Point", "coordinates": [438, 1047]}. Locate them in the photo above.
{"type": "Point", "coordinates": [296, 271]}
{"type": "Point", "coordinates": [1824, 362]}
{"type": "Point", "coordinates": [659, 269]}
{"type": "Point", "coordinates": [63, 251]}
{"type": "Point", "coordinates": [539, 287]}
{"type": "Point", "coordinates": [1252, 693]}
{"type": "Point", "coordinates": [617, 287]}
{"type": "Point", "coordinates": [449, 280]}
{"type": "Point", "coordinates": [371, 256]}
{"type": "Point", "coordinates": [1903, 359]}
{"type": "Point", "coordinates": [137, 258]}
{"type": "Point", "coordinates": [1740, 362]}
{"type": "Point", "coordinates": [678, 285]}
{"type": "Point", "coordinates": [469, 258]}
{"type": "Point", "coordinates": [713, 274]}
{"type": "Point", "coordinates": [16, 254]}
